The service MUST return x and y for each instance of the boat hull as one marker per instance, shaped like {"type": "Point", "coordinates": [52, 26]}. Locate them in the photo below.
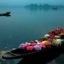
{"type": "Point", "coordinates": [41, 53]}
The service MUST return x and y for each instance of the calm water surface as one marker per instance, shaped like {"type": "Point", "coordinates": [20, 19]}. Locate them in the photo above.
{"type": "Point", "coordinates": [26, 25]}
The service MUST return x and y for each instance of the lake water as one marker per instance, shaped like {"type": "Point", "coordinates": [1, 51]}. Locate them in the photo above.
{"type": "Point", "coordinates": [26, 25]}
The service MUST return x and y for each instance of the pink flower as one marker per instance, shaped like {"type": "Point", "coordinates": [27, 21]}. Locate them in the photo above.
{"type": "Point", "coordinates": [30, 48]}
{"type": "Point", "coordinates": [22, 46]}
{"type": "Point", "coordinates": [37, 47]}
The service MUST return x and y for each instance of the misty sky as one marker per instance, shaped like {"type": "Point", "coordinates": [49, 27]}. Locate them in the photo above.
{"type": "Point", "coordinates": [24, 2]}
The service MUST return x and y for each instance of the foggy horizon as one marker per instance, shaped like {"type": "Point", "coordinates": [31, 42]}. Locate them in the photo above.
{"type": "Point", "coordinates": [26, 2]}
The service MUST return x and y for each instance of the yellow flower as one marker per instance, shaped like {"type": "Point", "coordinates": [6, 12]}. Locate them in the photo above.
{"type": "Point", "coordinates": [57, 42]}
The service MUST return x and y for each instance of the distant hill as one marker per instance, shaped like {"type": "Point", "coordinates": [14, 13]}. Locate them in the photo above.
{"type": "Point", "coordinates": [44, 6]}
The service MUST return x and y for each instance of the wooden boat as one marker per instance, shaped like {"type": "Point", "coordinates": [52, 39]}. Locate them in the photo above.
{"type": "Point", "coordinates": [50, 50]}
{"type": "Point", "coordinates": [5, 14]}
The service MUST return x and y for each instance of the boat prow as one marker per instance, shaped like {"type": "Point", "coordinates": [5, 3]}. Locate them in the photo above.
{"type": "Point", "coordinates": [18, 53]}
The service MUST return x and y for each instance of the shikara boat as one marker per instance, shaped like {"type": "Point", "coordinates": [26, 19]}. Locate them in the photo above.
{"type": "Point", "coordinates": [53, 46]}
{"type": "Point", "coordinates": [5, 14]}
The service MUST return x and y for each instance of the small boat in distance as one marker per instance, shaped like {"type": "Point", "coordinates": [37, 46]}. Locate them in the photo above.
{"type": "Point", "coordinates": [5, 14]}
